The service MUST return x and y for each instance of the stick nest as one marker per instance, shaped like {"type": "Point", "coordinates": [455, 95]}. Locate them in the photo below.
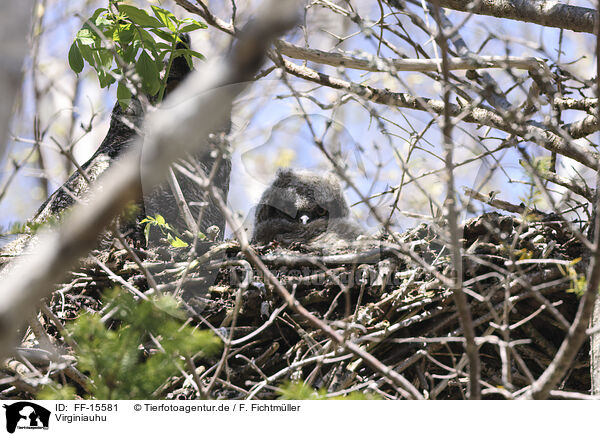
{"type": "Point", "coordinates": [386, 294]}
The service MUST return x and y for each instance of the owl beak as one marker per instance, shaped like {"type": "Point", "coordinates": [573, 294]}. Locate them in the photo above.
{"type": "Point", "coordinates": [304, 219]}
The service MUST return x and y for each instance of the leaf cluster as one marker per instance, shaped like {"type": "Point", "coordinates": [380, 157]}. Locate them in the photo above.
{"type": "Point", "coordinates": [119, 43]}
{"type": "Point", "coordinates": [166, 229]}
{"type": "Point", "coordinates": [143, 348]}
{"type": "Point", "coordinates": [578, 280]}
{"type": "Point", "coordinates": [28, 227]}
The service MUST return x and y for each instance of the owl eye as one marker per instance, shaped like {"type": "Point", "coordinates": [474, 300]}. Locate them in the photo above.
{"type": "Point", "coordinates": [321, 211]}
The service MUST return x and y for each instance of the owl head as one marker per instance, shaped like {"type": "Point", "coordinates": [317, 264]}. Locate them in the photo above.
{"type": "Point", "coordinates": [299, 206]}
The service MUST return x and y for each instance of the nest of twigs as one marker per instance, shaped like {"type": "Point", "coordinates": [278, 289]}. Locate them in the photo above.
{"type": "Point", "coordinates": [386, 295]}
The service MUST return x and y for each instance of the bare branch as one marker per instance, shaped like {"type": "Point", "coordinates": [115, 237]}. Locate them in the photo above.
{"type": "Point", "coordinates": [478, 115]}
{"type": "Point", "coordinates": [550, 14]}
{"type": "Point", "coordinates": [378, 64]}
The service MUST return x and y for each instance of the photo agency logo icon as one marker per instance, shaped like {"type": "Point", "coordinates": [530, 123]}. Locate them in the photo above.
{"type": "Point", "coordinates": [26, 415]}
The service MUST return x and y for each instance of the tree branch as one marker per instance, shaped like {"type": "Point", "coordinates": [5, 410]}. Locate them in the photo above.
{"type": "Point", "coordinates": [550, 14]}
{"type": "Point", "coordinates": [478, 115]}
{"type": "Point", "coordinates": [378, 64]}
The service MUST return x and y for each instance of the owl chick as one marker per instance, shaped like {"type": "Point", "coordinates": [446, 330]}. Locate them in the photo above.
{"type": "Point", "coordinates": [302, 206]}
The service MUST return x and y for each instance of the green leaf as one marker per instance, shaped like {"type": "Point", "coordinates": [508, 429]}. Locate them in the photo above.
{"type": "Point", "coordinates": [129, 53]}
{"type": "Point", "coordinates": [192, 21]}
{"type": "Point", "coordinates": [102, 63]}
{"type": "Point", "coordinates": [188, 59]}
{"type": "Point", "coordinates": [103, 59]}
{"type": "Point", "coordinates": [123, 34]}
{"type": "Point", "coordinates": [147, 232]}
{"type": "Point", "coordinates": [123, 95]}
{"type": "Point", "coordinates": [88, 54]}
{"type": "Point", "coordinates": [163, 46]}
{"type": "Point", "coordinates": [176, 242]}
{"type": "Point", "coordinates": [106, 58]}
{"type": "Point", "coordinates": [96, 14]}
{"type": "Point", "coordinates": [195, 25]}
{"type": "Point", "coordinates": [139, 16]}
{"type": "Point", "coordinates": [103, 21]}
{"type": "Point", "coordinates": [75, 58]}
{"type": "Point", "coordinates": [185, 51]}
{"type": "Point", "coordinates": [161, 55]}
{"type": "Point", "coordinates": [105, 78]}
{"type": "Point", "coordinates": [166, 17]}
{"type": "Point", "coordinates": [164, 35]}
{"type": "Point", "coordinates": [160, 220]}
{"type": "Point", "coordinates": [148, 41]}
{"type": "Point", "coordinates": [86, 37]}
{"type": "Point", "coordinates": [137, 43]}
{"type": "Point", "coordinates": [146, 68]}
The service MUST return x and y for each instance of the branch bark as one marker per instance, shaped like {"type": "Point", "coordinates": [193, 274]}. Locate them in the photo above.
{"type": "Point", "coordinates": [378, 64]}
{"type": "Point", "coordinates": [550, 14]}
